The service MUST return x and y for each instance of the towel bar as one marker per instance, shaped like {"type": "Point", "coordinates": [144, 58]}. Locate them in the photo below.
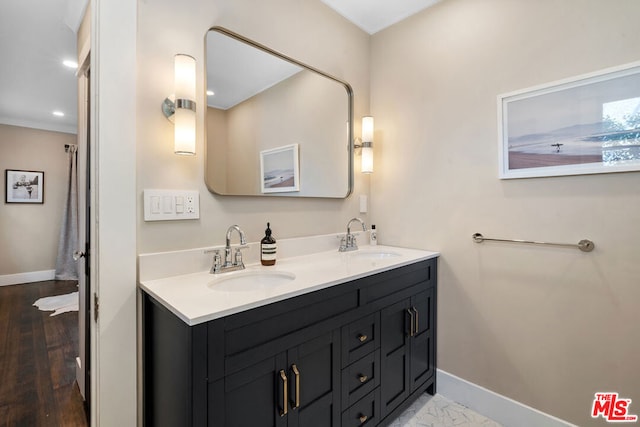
{"type": "Point", "coordinates": [584, 245]}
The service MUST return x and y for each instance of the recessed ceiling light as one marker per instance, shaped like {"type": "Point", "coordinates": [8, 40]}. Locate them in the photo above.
{"type": "Point", "coordinates": [70, 64]}
{"type": "Point", "coordinates": [58, 113]}
{"type": "Point", "coordinates": [210, 93]}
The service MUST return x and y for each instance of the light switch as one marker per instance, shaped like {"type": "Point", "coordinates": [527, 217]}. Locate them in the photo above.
{"type": "Point", "coordinates": [363, 203]}
{"type": "Point", "coordinates": [179, 204]}
{"type": "Point", "coordinates": [155, 204]}
{"type": "Point", "coordinates": [165, 205]}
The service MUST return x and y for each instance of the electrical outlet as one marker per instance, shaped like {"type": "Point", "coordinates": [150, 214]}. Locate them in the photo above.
{"type": "Point", "coordinates": [189, 205]}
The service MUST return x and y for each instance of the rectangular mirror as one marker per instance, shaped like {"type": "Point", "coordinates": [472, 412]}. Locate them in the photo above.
{"type": "Point", "coordinates": [260, 102]}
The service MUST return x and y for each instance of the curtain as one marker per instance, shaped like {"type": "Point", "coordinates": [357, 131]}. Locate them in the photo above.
{"type": "Point", "coordinates": [66, 267]}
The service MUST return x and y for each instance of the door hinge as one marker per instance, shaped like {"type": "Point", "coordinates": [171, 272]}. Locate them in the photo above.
{"type": "Point", "coordinates": [96, 307]}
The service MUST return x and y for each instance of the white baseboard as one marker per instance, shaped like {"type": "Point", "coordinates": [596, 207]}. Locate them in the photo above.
{"type": "Point", "coordinates": [31, 276]}
{"type": "Point", "coordinates": [501, 409]}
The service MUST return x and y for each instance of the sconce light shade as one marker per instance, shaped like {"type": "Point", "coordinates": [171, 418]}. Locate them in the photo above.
{"type": "Point", "coordinates": [185, 105]}
{"type": "Point", "coordinates": [367, 160]}
{"type": "Point", "coordinates": [367, 142]}
{"type": "Point", "coordinates": [367, 129]}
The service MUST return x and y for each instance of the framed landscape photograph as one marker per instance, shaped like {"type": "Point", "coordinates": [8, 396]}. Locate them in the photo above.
{"type": "Point", "coordinates": [23, 186]}
{"type": "Point", "coordinates": [279, 169]}
{"type": "Point", "coordinates": [583, 125]}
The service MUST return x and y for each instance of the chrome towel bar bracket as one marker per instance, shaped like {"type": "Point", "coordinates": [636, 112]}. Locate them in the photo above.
{"type": "Point", "coordinates": [584, 245]}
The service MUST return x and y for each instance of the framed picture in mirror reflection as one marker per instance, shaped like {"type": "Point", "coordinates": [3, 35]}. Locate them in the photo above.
{"type": "Point", "coordinates": [280, 169]}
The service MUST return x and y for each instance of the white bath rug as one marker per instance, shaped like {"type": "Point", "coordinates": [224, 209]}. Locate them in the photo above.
{"type": "Point", "coordinates": [58, 304]}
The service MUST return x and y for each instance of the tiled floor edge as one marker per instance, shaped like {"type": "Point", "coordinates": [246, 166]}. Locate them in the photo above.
{"type": "Point", "coordinates": [502, 409]}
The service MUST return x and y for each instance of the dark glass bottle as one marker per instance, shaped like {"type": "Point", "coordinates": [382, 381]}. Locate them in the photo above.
{"type": "Point", "coordinates": [268, 248]}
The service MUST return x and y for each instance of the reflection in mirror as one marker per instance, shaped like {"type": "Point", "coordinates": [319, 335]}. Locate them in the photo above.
{"type": "Point", "coordinates": [263, 101]}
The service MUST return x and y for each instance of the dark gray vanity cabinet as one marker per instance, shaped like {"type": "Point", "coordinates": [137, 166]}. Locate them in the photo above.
{"type": "Point", "coordinates": [355, 354]}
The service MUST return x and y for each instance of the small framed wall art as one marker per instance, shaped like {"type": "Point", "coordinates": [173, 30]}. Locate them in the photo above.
{"type": "Point", "coordinates": [24, 186]}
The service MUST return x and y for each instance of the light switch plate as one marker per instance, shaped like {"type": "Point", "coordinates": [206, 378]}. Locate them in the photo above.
{"type": "Point", "coordinates": [169, 205]}
{"type": "Point", "coordinates": [364, 203]}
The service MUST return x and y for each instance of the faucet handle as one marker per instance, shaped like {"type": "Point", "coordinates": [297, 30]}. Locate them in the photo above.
{"type": "Point", "coordinates": [238, 256]}
{"type": "Point", "coordinates": [217, 260]}
{"type": "Point", "coordinates": [343, 242]}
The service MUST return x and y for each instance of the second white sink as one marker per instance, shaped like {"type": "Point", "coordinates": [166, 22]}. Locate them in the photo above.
{"type": "Point", "coordinates": [373, 254]}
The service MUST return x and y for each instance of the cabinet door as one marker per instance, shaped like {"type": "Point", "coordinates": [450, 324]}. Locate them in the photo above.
{"type": "Point", "coordinates": [314, 378]}
{"type": "Point", "coordinates": [422, 351]}
{"type": "Point", "coordinates": [298, 387]}
{"type": "Point", "coordinates": [394, 356]}
{"type": "Point", "coordinates": [254, 397]}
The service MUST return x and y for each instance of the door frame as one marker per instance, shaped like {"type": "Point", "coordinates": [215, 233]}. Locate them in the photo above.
{"type": "Point", "coordinates": [114, 215]}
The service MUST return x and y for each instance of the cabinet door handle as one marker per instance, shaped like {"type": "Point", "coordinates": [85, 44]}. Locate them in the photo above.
{"type": "Point", "coordinates": [285, 386]}
{"type": "Point", "coordinates": [296, 372]}
{"type": "Point", "coordinates": [362, 337]}
{"type": "Point", "coordinates": [363, 378]}
{"type": "Point", "coordinates": [362, 418]}
{"type": "Point", "coordinates": [415, 330]}
{"type": "Point", "coordinates": [411, 331]}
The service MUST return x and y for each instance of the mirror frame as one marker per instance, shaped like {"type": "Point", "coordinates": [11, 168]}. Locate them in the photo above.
{"type": "Point", "coordinates": [347, 87]}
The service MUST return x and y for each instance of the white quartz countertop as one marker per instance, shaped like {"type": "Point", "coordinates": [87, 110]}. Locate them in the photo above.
{"type": "Point", "coordinates": [199, 297]}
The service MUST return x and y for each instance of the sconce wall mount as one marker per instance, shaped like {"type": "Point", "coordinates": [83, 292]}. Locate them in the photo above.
{"type": "Point", "coordinates": [181, 108]}
{"type": "Point", "coordinates": [170, 104]}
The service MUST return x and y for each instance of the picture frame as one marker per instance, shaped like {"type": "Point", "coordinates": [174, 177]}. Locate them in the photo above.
{"type": "Point", "coordinates": [279, 169]}
{"type": "Point", "coordinates": [22, 186]}
{"type": "Point", "coordinates": [588, 124]}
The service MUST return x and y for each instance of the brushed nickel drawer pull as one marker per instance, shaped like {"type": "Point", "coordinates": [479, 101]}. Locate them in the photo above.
{"type": "Point", "coordinates": [363, 418]}
{"type": "Point", "coordinates": [417, 323]}
{"type": "Point", "coordinates": [363, 378]}
{"type": "Point", "coordinates": [296, 372]}
{"type": "Point", "coordinates": [285, 386]}
{"type": "Point", "coordinates": [411, 320]}
{"type": "Point", "coordinates": [362, 337]}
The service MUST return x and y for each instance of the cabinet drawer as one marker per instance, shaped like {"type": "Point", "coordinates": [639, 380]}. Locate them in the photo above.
{"type": "Point", "coordinates": [365, 412]}
{"type": "Point", "coordinates": [360, 338]}
{"type": "Point", "coordinates": [360, 378]}
{"type": "Point", "coordinates": [398, 280]}
{"type": "Point", "coordinates": [255, 327]}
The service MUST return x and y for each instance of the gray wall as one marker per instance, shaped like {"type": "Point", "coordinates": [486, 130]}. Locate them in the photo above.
{"type": "Point", "coordinates": [544, 326]}
{"type": "Point", "coordinates": [29, 232]}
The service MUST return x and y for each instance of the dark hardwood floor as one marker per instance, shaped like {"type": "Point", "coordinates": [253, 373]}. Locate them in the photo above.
{"type": "Point", "coordinates": [37, 359]}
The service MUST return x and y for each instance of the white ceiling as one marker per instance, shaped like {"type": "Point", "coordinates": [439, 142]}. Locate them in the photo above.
{"type": "Point", "coordinates": [237, 71]}
{"type": "Point", "coordinates": [37, 35]}
{"type": "Point", "coordinates": [375, 15]}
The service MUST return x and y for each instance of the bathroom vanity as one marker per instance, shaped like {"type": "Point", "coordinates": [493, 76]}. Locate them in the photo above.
{"type": "Point", "coordinates": [349, 340]}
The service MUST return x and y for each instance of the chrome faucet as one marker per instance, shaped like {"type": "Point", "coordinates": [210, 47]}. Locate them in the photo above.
{"type": "Point", "coordinates": [231, 263]}
{"type": "Point", "coordinates": [348, 242]}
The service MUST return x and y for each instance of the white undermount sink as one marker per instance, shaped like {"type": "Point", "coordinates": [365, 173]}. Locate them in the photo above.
{"type": "Point", "coordinates": [250, 280]}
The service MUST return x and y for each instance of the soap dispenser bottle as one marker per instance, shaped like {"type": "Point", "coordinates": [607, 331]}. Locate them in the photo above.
{"type": "Point", "coordinates": [373, 236]}
{"type": "Point", "coordinates": [268, 248]}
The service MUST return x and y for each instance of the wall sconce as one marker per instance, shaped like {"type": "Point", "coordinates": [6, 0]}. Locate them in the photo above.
{"type": "Point", "coordinates": [182, 111]}
{"type": "Point", "coordinates": [366, 145]}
